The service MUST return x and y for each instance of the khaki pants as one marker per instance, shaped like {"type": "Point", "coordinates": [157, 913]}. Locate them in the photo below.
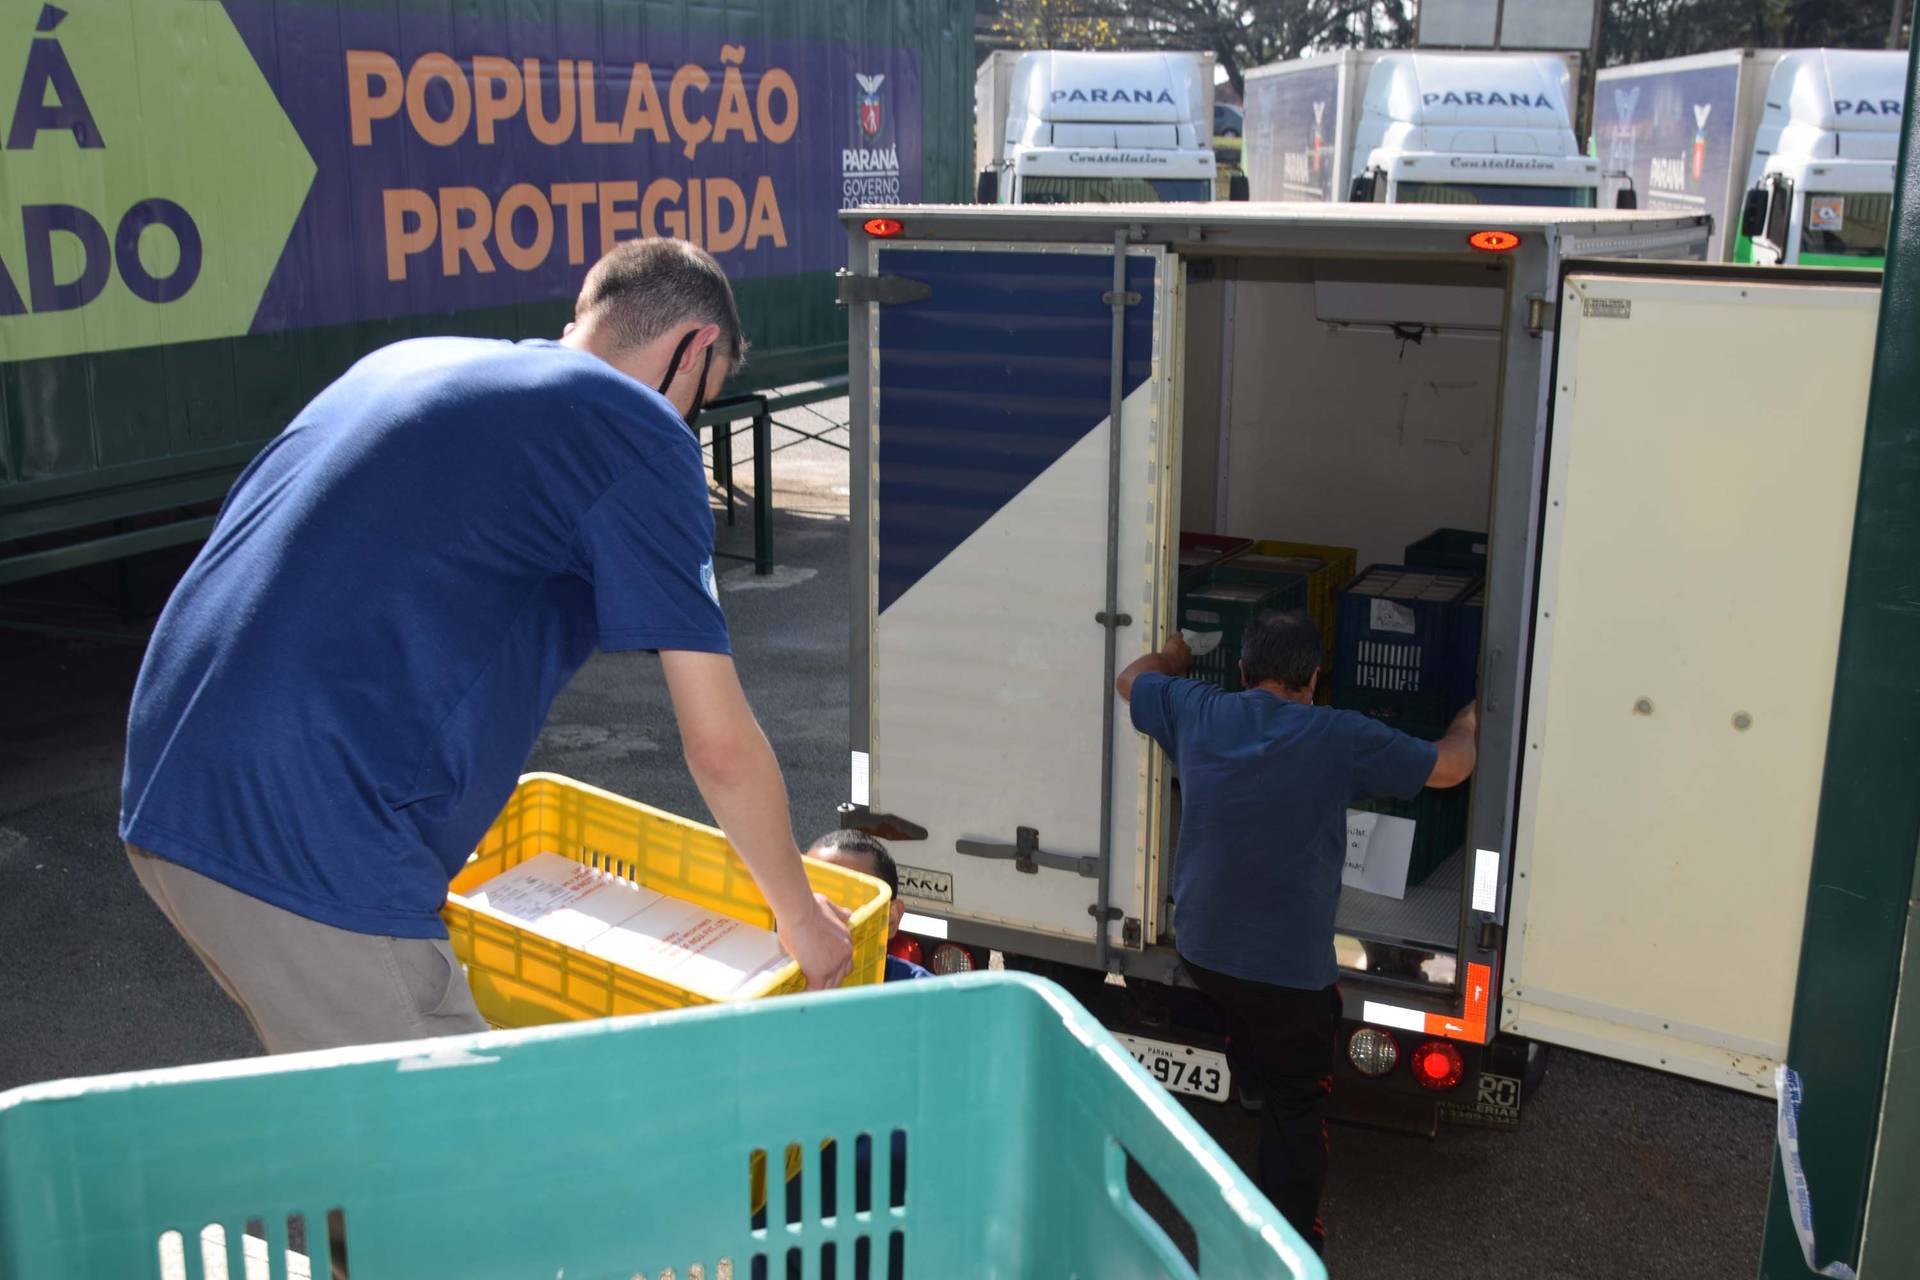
{"type": "Point", "coordinates": [307, 985]}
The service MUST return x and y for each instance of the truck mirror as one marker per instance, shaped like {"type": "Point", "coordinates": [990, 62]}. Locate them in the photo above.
{"type": "Point", "coordinates": [1361, 192]}
{"type": "Point", "coordinates": [988, 189]}
{"type": "Point", "coordinates": [1753, 214]}
{"type": "Point", "coordinates": [1625, 198]}
{"type": "Point", "coordinates": [1237, 188]}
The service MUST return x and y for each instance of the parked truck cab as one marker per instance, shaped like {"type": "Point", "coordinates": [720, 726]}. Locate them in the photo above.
{"type": "Point", "coordinates": [1095, 128]}
{"type": "Point", "coordinates": [1418, 128]}
{"type": "Point", "coordinates": [1820, 182]}
{"type": "Point", "coordinates": [1453, 129]}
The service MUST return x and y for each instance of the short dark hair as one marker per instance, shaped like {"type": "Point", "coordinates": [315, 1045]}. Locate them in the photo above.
{"type": "Point", "coordinates": [1283, 647]}
{"type": "Point", "coordinates": [861, 842]}
{"type": "Point", "coordinates": [645, 288]}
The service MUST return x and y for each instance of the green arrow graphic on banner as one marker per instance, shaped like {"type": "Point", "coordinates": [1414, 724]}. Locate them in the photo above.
{"type": "Point", "coordinates": [148, 177]}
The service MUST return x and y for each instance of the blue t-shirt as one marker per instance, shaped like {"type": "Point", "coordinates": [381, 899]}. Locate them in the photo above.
{"type": "Point", "coordinates": [344, 688]}
{"type": "Point", "coordinates": [903, 970]}
{"type": "Point", "coordinates": [1264, 789]}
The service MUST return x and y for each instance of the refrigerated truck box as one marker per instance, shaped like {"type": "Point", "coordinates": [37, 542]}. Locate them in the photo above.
{"type": "Point", "coordinates": [1665, 535]}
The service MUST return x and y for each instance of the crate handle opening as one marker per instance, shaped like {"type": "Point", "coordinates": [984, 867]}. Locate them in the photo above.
{"type": "Point", "coordinates": [1124, 1174]}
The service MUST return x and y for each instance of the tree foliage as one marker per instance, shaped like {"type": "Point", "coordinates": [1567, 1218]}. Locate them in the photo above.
{"type": "Point", "coordinates": [1056, 24]}
{"type": "Point", "coordinates": [1243, 34]}
{"type": "Point", "coordinates": [1643, 30]}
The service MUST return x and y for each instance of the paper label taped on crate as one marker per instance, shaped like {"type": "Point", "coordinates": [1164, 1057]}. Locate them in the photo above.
{"type": "Point", "coordinates": [1388, 616]}
{"type": "Point", "coordinates": [1379, 849]}
{"type": "Point", "coordinates": [561, 899]}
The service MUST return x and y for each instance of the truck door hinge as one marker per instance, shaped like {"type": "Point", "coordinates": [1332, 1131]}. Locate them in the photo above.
{"type": "Point", "coordinates": [1131, 298]}
{"type": "Point", "coordinates": [857, 817]}
{"type": "Point", "coordinates": [1028, 857]}
{"type": "Point", "coordinates": [1540, 316]}
{"type": "Point", "coordinates": [886, 290]}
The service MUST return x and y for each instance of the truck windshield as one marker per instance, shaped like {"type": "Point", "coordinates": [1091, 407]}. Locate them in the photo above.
{"type": "Point", "coordinates": [1491, 193]}
{"type": "Point", "coordinates": [1041, 189]}
{"type": "Point", "coordinates": [1850, 225]}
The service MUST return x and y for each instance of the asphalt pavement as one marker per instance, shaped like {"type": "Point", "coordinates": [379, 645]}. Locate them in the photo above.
{"type": "Point", "coordinates": [1614, 1171]}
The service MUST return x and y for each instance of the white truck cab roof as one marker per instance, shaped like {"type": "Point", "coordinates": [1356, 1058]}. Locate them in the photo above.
{"type": "Point", "coordinates": [1501, 119]}
{"type": "Point", "coordinates": [1836, 111]}
{"type": "Point", "coordinates": [1131, 100]}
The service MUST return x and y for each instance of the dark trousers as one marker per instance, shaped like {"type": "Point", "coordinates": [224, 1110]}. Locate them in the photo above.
{"type": "Point", "coordinates": [1284, 1038]}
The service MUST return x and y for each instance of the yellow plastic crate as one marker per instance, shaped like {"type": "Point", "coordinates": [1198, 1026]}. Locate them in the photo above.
{"type": "Point", "coordinates": [520, 979]}
{"type": "Point", "coordinates": [1337, 567]}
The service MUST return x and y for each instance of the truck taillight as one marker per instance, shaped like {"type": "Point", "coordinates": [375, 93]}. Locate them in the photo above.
{"type": "Point", "coordinates": [883, 228]}
{"type": "Point", "coordinates": [951, 957]}
{"type": "Point", "coordinates": [1494, 241]}
{"type": "Point", "coordinates": [1438, 1065]}
{"type": "Point", "coordinates": [1373, 1052]}
{"type": "Point", "coordinates": [905, 948]}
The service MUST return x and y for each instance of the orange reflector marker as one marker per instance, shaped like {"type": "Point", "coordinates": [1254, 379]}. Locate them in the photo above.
{"type": "Point", "coordinates": [1485, 241]}
{"type": "Point", "coordinates": [884, 227]}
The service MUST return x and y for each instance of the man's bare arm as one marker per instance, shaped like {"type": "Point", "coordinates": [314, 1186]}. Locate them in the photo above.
{"type": "Point", "coordinates": [1173, 659]}
{"type": "Point", "coordinates": [734, 767]}
{"type": "Point", "coordinates": [1457, 752]}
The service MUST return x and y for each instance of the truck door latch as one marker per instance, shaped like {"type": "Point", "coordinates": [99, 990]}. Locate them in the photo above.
{"type": "Point", "coordinates": [1028, 857]}
{"type": "Point", "coordinates": [885, 290]}
{"type": "Point", "coordinates": [1540, 316]}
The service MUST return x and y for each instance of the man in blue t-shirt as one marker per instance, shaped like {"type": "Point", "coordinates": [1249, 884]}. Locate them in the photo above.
{"type": "Point", "coordinates": [1265, 780]}
{"type": "Point", "coordinates": [343, 690]}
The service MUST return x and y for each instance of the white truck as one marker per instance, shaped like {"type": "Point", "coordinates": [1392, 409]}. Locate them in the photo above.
{"type": "Point", "coordinates": [1093, 128]}
{"type": "Point", "coordinates": [1791, 152]}
{"type": "Point", "coordinates": [1418, 128]}
{"type": "Point", "coordinates": [1045, 398]}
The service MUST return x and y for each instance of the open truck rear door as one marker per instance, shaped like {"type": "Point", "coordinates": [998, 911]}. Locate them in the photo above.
{"type": "Point", "coordinates": [1017, 552]}
{"type": "Point", "coordinates": [1696, 520]}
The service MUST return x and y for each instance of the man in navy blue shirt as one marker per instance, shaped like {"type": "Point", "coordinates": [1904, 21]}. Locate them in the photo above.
{"type": "Point", "coordinates": [858, 851]}
{"type": "Point", "coordinates": [343, 690]}
{"type": "Point", "coordinates": [1265, 780]}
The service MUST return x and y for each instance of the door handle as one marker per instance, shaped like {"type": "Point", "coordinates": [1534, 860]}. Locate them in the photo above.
{"type": "Point", "coordinates": [1028, 857]}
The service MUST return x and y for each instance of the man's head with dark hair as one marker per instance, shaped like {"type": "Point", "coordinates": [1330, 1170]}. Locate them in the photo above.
{"type": "Point", "coordinates": [661, 311]}
{"type": "Point", "coordinates": [1281, 649]}
{"type": "Point", "coordinates": [858, 851]}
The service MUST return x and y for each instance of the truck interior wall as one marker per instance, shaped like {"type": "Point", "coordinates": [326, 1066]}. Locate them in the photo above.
{"type": "Point", "coordinates": [1361, 400]}
{"type": "Point", "coordinates": [1342, 428]}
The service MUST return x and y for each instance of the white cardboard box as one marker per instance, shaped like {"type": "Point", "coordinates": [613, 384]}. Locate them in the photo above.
{"type": "Point", "coordinates": [704, 951]}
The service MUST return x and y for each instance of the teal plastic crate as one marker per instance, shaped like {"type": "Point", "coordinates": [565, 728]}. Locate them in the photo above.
{"type": "Point", "coordinates": [624, 1148]}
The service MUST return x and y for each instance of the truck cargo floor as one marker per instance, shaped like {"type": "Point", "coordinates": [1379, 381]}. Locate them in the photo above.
{"type": "Point", "coordinates": [1429, 916]}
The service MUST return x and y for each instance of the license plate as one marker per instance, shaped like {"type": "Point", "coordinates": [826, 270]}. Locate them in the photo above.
{"type": "Point", "coordinates": [1183, 1068]}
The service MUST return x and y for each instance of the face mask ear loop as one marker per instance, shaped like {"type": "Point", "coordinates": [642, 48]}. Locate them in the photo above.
{"type": "Point", "coordinates": [700, 394]}
{"type": "Point", "coordinates": [673, 365]}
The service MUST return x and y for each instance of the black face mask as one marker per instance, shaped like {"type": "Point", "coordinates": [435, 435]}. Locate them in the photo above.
{"type": "Point", "coordinates": [700, 389]}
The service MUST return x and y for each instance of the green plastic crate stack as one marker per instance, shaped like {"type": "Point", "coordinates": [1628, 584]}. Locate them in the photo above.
{"type": "Point", "coordinates": [1462, 549]}
{"type": "Point", "coordinates": [1439, 817]}
{"type": "Point", "coordinates": [1227, 607]}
